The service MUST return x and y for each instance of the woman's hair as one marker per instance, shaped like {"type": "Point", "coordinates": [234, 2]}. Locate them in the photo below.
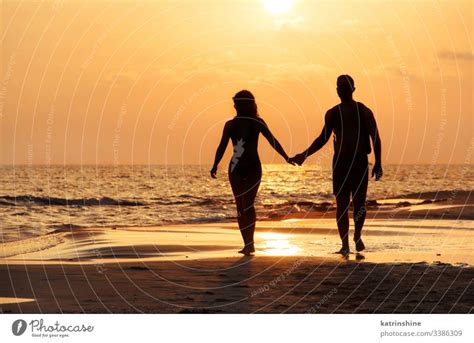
{"type": "Point", "coordinates": [245, 105]}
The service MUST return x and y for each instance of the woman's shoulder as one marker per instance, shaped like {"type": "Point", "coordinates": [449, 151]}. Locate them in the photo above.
{"type": "Point", "coordinates": [229, 122]}
{"type": "Point", "coordinates": [259, 121]}
{"type": "Point", "coordinates": [228, 126]}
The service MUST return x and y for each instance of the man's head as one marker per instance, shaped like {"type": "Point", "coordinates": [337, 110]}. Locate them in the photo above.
{"type": "Point", "coordinates": [345, 87]}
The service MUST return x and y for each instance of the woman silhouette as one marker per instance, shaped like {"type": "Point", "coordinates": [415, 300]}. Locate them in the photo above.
{"type": "Point", "coordinates": [245, 170]}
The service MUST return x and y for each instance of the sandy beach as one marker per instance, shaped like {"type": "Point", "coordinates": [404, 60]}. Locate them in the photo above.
{"type": "Point", "coordinates": [418, 260]}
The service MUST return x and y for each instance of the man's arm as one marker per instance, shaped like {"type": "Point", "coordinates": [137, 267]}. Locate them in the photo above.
{"type": "Point", "coordinates": [377, 171]}
{"type": "Point", "coordinates": [319, 142]}
{"type": "Point", "coordinates": [221, 148]}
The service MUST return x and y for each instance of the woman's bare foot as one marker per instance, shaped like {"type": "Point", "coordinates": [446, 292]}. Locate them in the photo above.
{"type": "Point", "coordinates": [247, 250]}
{"type": "Point", "coordinates": [252, 247]}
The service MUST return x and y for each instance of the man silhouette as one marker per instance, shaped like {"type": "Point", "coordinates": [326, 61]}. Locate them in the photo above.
{"type": "Point", "coordinates": [353, 125]}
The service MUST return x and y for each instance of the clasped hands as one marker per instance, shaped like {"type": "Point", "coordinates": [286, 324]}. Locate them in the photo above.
{"type": "Point", "coordinates": [297, 159]}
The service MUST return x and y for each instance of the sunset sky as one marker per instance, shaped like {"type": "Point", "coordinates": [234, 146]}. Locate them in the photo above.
{"type": "Point", "coordinates": [85, 82]}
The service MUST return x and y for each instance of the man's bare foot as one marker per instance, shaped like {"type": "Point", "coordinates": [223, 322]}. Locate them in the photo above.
{"type": "Point", "coordinates": [343, 251]}
{"type": "Point", "coordinates": [359, 244]}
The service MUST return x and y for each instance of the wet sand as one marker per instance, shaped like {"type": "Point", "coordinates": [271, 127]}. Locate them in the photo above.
{"type": "Point", "coordinates": [420, 264]}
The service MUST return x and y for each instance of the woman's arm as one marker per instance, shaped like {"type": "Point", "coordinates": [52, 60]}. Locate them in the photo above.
{"type": "Point", "coordinates": [272, 140]}
{"type": "Point", "coordinates": [221, 148]}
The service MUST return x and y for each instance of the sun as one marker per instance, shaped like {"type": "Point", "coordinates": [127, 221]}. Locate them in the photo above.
{"type": "Point", "coordinates": [277, 6]}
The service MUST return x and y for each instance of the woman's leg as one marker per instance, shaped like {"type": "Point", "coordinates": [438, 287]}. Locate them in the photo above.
{"type": "Point", "coordinates": [252, 184]}
{"type": "Point", "coordinates": [238, 189]}
{"type": "Point", "coordinates": [245, 191]}
{"type": "Point", "coordinates": [249, 210]}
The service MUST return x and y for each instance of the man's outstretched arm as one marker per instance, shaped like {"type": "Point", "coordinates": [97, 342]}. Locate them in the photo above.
{"type": "Point", "coordinates": [318, 143]}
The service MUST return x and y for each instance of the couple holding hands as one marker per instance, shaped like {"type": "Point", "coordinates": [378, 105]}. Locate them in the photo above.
{"type": "Point", "coordinates": [353, 125]}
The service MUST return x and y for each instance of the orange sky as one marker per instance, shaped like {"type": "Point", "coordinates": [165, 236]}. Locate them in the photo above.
{"type": "Point", "coordinates": [151, 81]}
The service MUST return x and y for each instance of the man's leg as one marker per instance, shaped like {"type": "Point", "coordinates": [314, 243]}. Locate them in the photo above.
{"type": "Point", "coordinates": [360, 210]}
{"type": "Point", "coordinates": [343, 200]}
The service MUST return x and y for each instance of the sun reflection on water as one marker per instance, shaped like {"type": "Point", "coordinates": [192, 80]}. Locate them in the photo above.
{"type": "Point", "coordinates": [277, 244]}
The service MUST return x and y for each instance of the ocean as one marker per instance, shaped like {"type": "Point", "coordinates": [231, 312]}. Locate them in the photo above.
{"type": "Point", "coordinates": [35, 200]}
